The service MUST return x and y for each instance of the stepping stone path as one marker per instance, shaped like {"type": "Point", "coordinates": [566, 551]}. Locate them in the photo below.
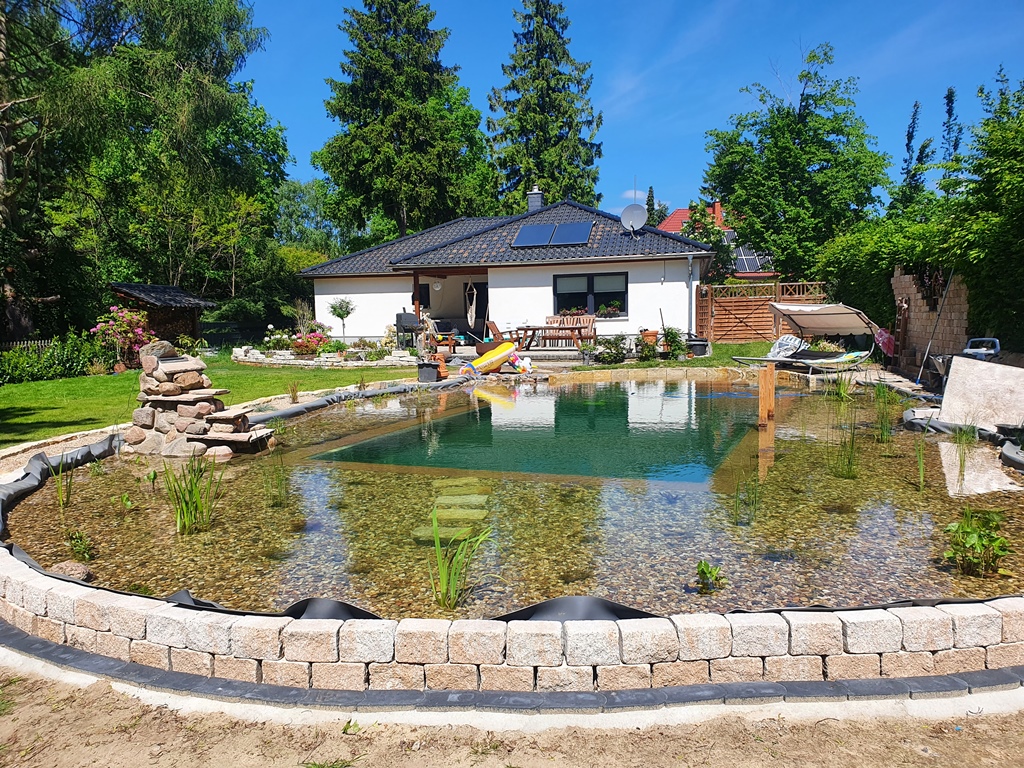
{"type": "Point", "coordinates": [461, 506]}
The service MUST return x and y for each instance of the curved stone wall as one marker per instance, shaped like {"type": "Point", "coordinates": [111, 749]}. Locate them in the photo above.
{"type": "Point", "coordinates": [418, 654]}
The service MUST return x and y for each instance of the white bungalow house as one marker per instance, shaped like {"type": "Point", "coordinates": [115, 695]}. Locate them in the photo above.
{"type": "Point", "coordinates": [523, 269]}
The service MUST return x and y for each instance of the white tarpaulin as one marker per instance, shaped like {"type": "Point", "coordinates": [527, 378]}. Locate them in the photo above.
{"type": "Point", "coordinates": [824, 319]}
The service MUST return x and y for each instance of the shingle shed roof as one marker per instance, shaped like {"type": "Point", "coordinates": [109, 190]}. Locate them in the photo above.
{"type": "Point", "coordinates": [161, 295]}
{"type": "Point", "coordinates": [488, 241]}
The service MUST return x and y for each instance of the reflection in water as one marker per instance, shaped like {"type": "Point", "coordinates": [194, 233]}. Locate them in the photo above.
{"type": "Point", "coordinates": [675, 432]}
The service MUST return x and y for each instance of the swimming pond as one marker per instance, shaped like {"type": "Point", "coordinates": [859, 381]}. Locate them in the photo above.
{"type": "Point", "coordinates": [612, 490]}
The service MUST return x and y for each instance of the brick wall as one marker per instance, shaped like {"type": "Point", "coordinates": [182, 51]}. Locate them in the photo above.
{"type": "Point", "coordinates": [950, 334]}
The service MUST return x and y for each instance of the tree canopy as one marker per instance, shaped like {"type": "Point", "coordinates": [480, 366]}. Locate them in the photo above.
{"type": "Point", "coordinates": [795, 174]}
{"type": "Point", "coordinates": [545, 130]}
{"type": "Point", "coordinates": [409, 145]}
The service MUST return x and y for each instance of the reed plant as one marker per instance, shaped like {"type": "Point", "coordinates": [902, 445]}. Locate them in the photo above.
{"type": "Point", "coordinates": [193, 491]}
{"type": "Point", "coordinates": [64, 478]}
{"type": "Point", "coordinates": [884, 399]}
{"type": "Point", "coordinates": [293, 391]}
{"type": "Point", "coordinates": [275, 482]}
{"type": "Point", "coordinates": [919, 452]}
{"type": "Point", "coordinates": [964, 439]}
{"type": "Point", "coordinates": [746, 502]}
{"type": "Point", "coordinates": [842, 454]}
{"type": "Point", "coordinates": [449, 570]}
{"type": "Point", "coordinates": [840, 388]}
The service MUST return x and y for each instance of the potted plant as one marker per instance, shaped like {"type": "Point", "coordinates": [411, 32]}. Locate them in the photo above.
{"type": "Point", "coordinates": [612, 309]}
{"type": "Point", "coordinates": [649, 337]}
{"type": "Point", "coordinates": [588, 350]}
{"type": "Point", "coordinates": [672, 342]}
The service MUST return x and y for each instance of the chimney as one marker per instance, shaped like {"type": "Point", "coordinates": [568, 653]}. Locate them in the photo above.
{"type": "Point", "coordinates": [716, 214]}
{"type": "Point", "coordinates": [534, 199]}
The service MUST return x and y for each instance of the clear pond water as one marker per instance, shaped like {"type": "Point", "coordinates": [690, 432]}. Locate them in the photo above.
{"type": "Point", "coordinates": [613, 490]}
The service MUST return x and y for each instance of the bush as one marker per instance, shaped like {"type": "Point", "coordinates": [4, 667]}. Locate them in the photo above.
{"type": "Point", "coordinates": [613, 350]}
{"type": "Point", "coordinates": [67, 357]}
{"type": "Point", "coordinates": [125, 332]}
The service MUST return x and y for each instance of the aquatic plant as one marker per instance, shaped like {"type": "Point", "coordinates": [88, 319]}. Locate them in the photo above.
{"type": "Point", "coordinates": [975, 546]}
{"type": "Point", "coordinates": [964, 439]}
{"type": "Point", "coordinates": [64, 479]}
{"type": "Point", "coordinates": [293, 391]}
{"type": "Point", "coordinates": [449, 570]}
{"type": "Point", "coordinates": [275, 482]}
{"type": "Point", "coordinates": [842, 455]}
{"type": "Point", "coordinates": [884, 397]}
{"type": "Point", "coordinates": [746, 502]}
{"type": "Point", "coordinates": [193, 492]}
{"type": "Point", "coordinates": [124, 500]}
{"type": "Point", "coordinates": [709, 577]}
{"type": "Point", "coordinates": [840, 388]}
{"type": "Point", "coordinates": [919, 452]}
{"type": "Point", "coordinates": [80, 545]}
{"type": "Point", "coordinates": [151, 476]}
{"type": "Point", "coordinates": [96, 469]}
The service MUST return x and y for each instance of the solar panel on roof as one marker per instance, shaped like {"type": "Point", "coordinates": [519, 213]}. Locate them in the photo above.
{"type": "Point", "coordinates": [533, 235]}
{"type": "Point", "coordinates": [572, 233]}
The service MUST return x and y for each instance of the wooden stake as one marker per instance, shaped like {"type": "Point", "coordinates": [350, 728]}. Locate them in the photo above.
{"type": "Point", "coordinates": [765, 396]}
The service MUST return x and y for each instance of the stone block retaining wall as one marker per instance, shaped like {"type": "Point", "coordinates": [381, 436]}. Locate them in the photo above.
{"type": "Point", "coordinates": [519, 655]}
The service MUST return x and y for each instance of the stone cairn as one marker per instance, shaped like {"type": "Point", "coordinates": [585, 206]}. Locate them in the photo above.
{"type": "Point", "coordinates": [182, 415]}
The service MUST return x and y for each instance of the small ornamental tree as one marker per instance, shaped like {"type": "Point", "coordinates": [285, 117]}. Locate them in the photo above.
{"type": "Point", "coordinates": [341, 309]}
{"type": "Point", "coordinates": [126, 331]}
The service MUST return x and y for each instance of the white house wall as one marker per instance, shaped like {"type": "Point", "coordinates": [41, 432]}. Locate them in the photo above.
{"type": "Point", "coordinates": [524, 295]}
{"type": "Point", "coordinates": [377, 300]}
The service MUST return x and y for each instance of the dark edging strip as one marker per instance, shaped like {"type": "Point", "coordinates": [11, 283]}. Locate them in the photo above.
{"type": "Point", "coordinates": [583, 702]}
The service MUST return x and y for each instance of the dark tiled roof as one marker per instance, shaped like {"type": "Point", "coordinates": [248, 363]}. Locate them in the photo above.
{"type": "Point", "coordinates": [161, 295]}
{"type": "Point", "coordinates": [608, 240]}
{"type": "Point", "coordinates": [487, 241]}
{"type": "Point", "coordinates": [377, 260]}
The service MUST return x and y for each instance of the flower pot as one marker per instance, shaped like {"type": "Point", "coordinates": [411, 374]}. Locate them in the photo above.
{"type": "Point", "coordinates": [649, 337]}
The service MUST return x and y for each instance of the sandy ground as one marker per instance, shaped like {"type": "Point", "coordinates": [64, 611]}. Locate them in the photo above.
{"type": "Point", "coordinates": [47, 723]}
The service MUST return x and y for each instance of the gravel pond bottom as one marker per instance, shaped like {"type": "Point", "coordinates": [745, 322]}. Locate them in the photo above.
{"type": "Point", "coordinates": [294, 524]}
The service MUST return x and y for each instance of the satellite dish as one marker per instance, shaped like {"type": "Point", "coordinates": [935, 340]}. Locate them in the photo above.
{"type": "Point", "coordinates": [633, 217]}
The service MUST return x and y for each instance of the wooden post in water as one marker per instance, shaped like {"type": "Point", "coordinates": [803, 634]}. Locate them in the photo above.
{"type": "Point", "coordinates": [765, 396]}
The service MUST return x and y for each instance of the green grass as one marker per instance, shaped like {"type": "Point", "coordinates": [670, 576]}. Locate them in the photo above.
{"type": "Point", "coordinates": [721, 356]}
{"type": "Point", "coordinates": [42, 409]}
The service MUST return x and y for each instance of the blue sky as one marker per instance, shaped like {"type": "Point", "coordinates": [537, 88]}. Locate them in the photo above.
{"type": "Point", "coordinates": [665, 72]}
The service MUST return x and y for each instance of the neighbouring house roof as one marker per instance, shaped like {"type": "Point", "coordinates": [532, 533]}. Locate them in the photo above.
{"type": "Point", "coordinates": [161, 296]}
{"type": "Point", "coordinates": [484, 242]}
{"type": "Point", "coordinates": [748, 262]}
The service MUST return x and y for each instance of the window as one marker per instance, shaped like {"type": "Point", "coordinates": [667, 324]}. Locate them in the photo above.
{"type": "Point", "coordinates": [590, 292]}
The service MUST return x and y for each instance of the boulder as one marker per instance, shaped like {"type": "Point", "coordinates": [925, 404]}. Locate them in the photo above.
{"type": "Point", "coordinates": [159, 348]}
{"type": "Point", "coordinates": [74, 570]}
{"type": "Point", "coordinates": [188, 380]}
{"type": "Point", "coordinates": [135, 435]}
{"type": "Point", "coordinates": [148, 385]}
{"type": "Point", "coordinates": [183, 424]}
{"type": "Point", "coordinates": [198, 428]}
{"type": "Point", "coordinates": [218, 405]}
{"type": "Point", "coordinates": [188, 411]}
{"type": "Point", "coordinates": [163, 423]}
{"type": "Point", "coordinates": [203, 409]}
{"type": "Point", "coordinates": [169, 389]}
{"type": "Point", "coordinates": [120, 367]}
{"type": "Point", "coordinates": [149, 363]}
{"type": "Point", "coordinates": [187, 363]}
{"type": "Point", "coordinates": [153, 444]}
{"type": "Point", "coordinates": [182, 448]}
{"type": "Point", "coordinates": [222, 429]}
{"type": "Point", "coordinates": [206, 381]}
{"type": "Point", "coordinates": [160, 375]}
{"type": "Point", "coordinates": [144, 417]}
{"type": "Point", "coordinates": [219, 452]}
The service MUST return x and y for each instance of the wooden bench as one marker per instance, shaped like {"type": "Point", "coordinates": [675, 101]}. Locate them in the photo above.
{"type": "Point", "coordinates": [566, 329]}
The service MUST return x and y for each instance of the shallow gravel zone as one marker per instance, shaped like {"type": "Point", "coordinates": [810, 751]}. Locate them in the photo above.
{"type": "Point", "coordinates": [288, 527]}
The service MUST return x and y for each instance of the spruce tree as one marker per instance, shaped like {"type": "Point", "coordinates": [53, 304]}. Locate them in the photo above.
{"type": "Point", "coordinates": [409, 137]}
{"type": "Point", "coordinates": [652, 207]}
{"type": "Point", "coordinates": [545, 128]}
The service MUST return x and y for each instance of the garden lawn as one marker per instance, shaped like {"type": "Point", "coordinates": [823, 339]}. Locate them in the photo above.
{"type": "Point", "coordinates": [42, 409]}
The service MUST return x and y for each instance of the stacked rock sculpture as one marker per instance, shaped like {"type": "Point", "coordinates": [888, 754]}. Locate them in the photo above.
{"type": "Point", "coordinates": [182, 414]}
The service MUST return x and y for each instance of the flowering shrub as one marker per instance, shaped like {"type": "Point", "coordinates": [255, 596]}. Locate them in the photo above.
{"type": "Point", "coordinates": [125, 331]}
{"type": "Point", "coordinates": [276, 339]}
{"type": "Point", "coordinates": [310, 343]}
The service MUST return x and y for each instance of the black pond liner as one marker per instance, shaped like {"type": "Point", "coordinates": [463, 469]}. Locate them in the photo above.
{"type": "Point", "coordinates": [572, 608]}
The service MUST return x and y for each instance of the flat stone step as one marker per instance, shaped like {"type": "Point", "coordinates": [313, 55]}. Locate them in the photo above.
{"type": "Point", "coordinates": [229, 415]}
{"type": "Point", "coordinates": [233, 437]}
{"type": "Point", "coordinates": [455, 514]}
{"type": "Point", "coordinates": [447, 534]}
{"type": "Point", "coordinates": [191, 396]}
{"type": "Point", "coordinates": [466, 501]}
{"type": "Point", "coordinates": [452, 481]}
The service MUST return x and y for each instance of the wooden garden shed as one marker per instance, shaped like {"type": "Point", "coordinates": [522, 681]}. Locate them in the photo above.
{"type": "Point", "coordinates": [171, 310]}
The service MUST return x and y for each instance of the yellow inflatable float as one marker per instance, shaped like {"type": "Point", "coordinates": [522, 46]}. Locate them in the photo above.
{"type": "Point", "coordinates": [490, 361]}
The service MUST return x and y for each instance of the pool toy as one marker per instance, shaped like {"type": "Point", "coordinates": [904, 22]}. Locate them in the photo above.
{"type": "Point", "coordinates": [489, 361]}
{"type": "Point", "coordinates": [521, 364]}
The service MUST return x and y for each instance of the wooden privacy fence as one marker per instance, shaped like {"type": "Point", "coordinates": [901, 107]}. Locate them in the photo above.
{"type": "Point", "coordinates": [35, 346]}
{"type": "Point", "coordinates": [740, 313]}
